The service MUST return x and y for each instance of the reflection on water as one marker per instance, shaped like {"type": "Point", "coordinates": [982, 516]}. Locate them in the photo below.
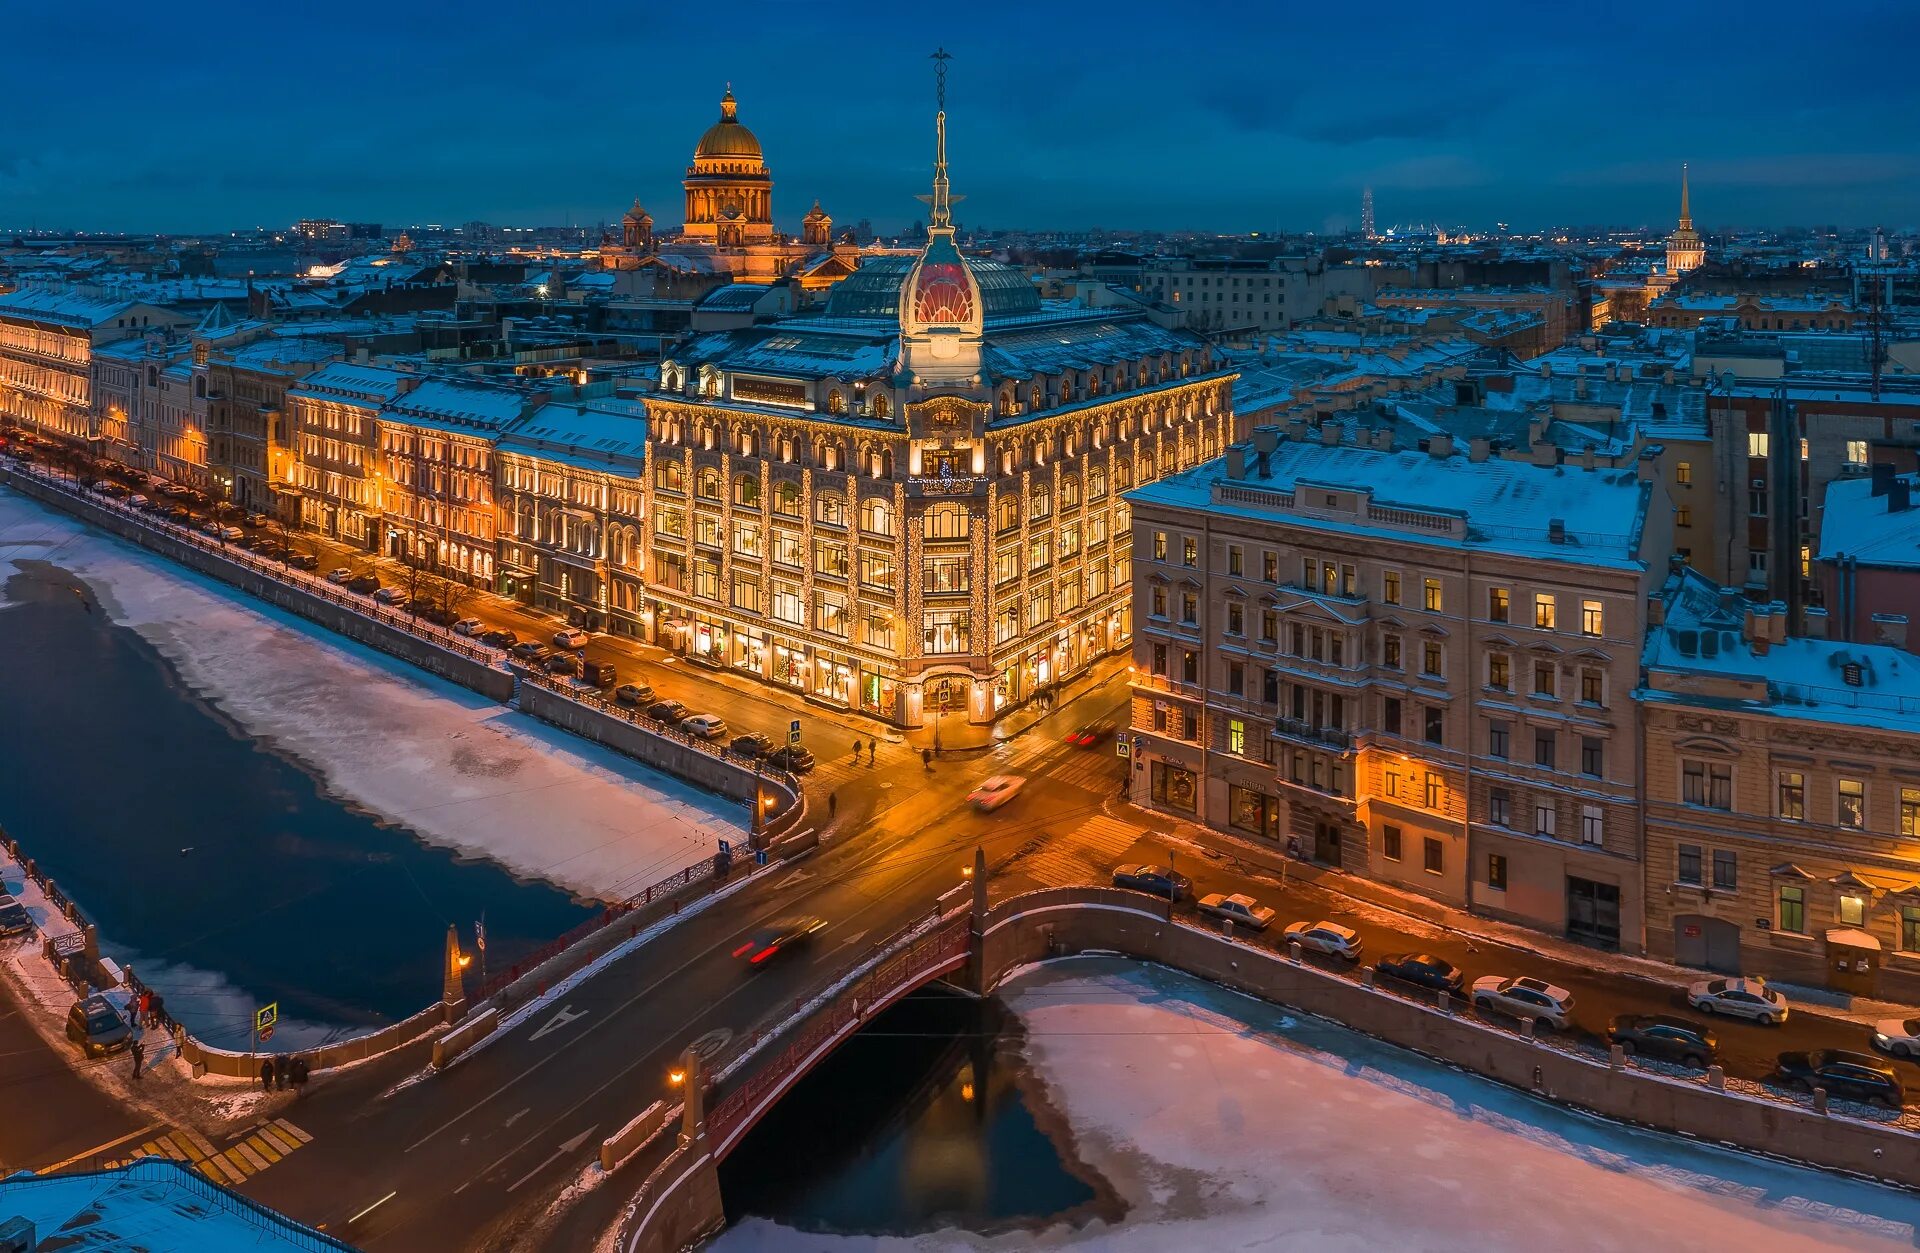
{"type": "Point", "coordinates": [219, 870]}
{"type": "Point", "coordinates": [919, 1121]}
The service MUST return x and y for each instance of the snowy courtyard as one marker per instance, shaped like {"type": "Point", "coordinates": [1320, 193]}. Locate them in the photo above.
{"type": "Point", "coordinates": [1226, 1123]}
{"type": "Point", "coordinates": [461, 771]}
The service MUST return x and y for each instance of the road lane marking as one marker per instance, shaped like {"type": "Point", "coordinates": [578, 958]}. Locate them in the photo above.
{"type": "Point", "coordinates": [376, 1205]}
{"type": "Point", "coordinates": [98, 1149]}
{"type": "Point", "coordinates": [292, 1130]}
{"type": "Point", "coordinates": [517, 1117]}
{"type": "Point", "coordinates": [264, 1148]}
{"type": "Point", "coordinates": [558, 1021]}
{"type": "Point", "coordinates": [568, 1146]}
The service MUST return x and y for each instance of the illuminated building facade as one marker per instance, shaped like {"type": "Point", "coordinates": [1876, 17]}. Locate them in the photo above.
{"type": "Point", "coordinates": [1414, 665]}
{"type": "Point", "coordinates": [47, 343]}
{"type": "Point", "coordinates": [435, 474]}
{"type": "Point", "coordinates": [335, 435]}
{"type": "Point", "coordinates": [910, 504]}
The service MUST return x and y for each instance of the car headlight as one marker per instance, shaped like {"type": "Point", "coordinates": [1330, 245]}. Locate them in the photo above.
{"type": "Point", "coordinates": [1879, 1037]}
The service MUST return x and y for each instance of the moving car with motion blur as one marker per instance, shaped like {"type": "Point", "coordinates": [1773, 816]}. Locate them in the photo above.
{"type": "Point", "coordinates": [766, 943]}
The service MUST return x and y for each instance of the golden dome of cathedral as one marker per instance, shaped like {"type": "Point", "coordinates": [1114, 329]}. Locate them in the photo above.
{"type": "Point", "coordinates": [727, 138]}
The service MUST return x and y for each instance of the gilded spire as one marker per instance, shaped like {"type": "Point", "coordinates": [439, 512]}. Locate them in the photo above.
{"type": "Point", "coordinates": [942, 200]}
{"type": "Point", "coordinates": [1686, 216]}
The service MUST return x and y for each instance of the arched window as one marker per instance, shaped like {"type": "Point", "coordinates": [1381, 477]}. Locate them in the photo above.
{"type": "Point", "coordinates": [836, 401]}
{"type": "Point", "coordinates": [882, 407]}
{"type": "Point", "coordinates": [876, 516]}
{"type": "Point", "coordinates": [830, 508]}
{"type": "Point", "coordinates": [786, 499]}
{"type": "Point", "coordinates": [746, 490]}
{"type": "Point", "coordinates": [1009, 512]}
{"type": "Point", "coordinates": [709, 483]}
{"type": "Point", "coordinates": [945, 521]}
{"type": "Point", "coordinates": [1036, 397]}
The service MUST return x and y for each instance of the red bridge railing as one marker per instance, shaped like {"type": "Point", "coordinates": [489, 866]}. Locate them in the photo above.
{"type": "Point", "coordinates": [917, 960]}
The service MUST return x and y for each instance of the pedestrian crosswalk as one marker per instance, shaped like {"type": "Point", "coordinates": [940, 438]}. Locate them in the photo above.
{"type": "Point", "coordinates": [1095, 771]}
{"type": "Point", "coordinates": [1087, 855]}
{"type": "Point", "coordinates": [260, 1147]}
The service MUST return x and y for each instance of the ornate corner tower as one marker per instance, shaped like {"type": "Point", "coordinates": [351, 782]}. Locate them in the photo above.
{"type": "Point", "coordinates": [942, 316]}
{"type": "Point", "coordinates": [1685, 250]}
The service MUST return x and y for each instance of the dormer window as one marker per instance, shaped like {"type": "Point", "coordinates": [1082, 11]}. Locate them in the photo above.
{"type": "Point", "coordinates": [1851, 674]}
{"type": "Point", "coordinates": [836, 401]}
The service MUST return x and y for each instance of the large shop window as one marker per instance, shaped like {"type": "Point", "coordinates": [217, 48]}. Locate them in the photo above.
{"type": "Point", "coordinates": [1173, 786]}
{"type": "Point", "coordinates": [1256, 812]}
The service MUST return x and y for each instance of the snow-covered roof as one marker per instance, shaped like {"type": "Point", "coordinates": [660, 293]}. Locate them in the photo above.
{"type": "Point", "coordinates": [64, 307]}
{"type": "Point", "coordinates": [1700, 655]}
{"type": "Point", "coordinates": [592, 435]}
{"type": "Point", "coordinates": [462, 407]}
{"type": "Point", "coordinates": [1856, 524]}
{"type": "Point", "coordinates": [1452, 502]}
{"type": "Point", "coordinates": [344, 380]}
{"type": "Point", "coordinates": [152, 1205]}
{"type": "Point", "coordinates": [735, 296]}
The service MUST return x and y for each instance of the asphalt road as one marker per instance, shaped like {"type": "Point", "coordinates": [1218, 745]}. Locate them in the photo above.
{"type": "Point", "coordinates": [70, 1117]}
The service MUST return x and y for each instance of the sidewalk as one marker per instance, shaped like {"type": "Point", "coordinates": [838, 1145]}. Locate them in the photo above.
{"type": "Point", "coordinates": [1368, 894]}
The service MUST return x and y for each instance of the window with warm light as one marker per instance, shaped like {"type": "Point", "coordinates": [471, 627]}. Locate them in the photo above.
{"type": "Point", "coordinates": [1850, 807]}
{"type": "Point", "coordinates": [1545, 613]}
{"type": "Point", "coordinates": [1592, 618]}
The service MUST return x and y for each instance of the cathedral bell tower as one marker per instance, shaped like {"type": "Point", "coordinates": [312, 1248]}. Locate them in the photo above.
{"type": "Point", "coordinates": [941, 313]}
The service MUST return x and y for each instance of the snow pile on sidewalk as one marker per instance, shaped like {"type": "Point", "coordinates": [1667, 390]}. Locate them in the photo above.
{"type": "Point", "coordinates": [456, 768]}
{"type": "Point", "coordinates": [1225, 1123]}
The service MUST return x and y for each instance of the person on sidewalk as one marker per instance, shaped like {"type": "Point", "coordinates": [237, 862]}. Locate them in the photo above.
{"type": "Point", "coordinates": [144, 1016]}
{"type": "Point", "coordinates": [833, 805]}
{"type": "Point", "coordinates": [266, 1075]}
{"type": "Point", "coordinates": [160, 1012]}
{"type": "Point", "coordinates": [873, 753]}
{"type": "Point", "coordinates": [299, 1076]}
{"type": "Point", "coordinates": [856, 752]}
{"type": "Point", "coordinates": [926, 759]}
{"type": "Point", "coordinates": [139, 1057]}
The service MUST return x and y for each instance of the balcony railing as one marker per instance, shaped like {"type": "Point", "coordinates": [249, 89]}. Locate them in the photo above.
{"type": "Point", "coordinates": [1307, 733]}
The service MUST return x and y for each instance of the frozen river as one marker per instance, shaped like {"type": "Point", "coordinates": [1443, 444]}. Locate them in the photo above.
{"type": "Point", "coordinates": [1219, 1122]}
{"type": "Point", "coordinates": [253, 809]}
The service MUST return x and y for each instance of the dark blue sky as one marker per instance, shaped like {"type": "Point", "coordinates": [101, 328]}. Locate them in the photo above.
{"type": "Point", "coordinates": [1204, 114]}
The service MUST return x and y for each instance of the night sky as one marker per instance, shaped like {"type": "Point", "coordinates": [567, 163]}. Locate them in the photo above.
{"type": "Point", "coordinates": [1215, 116]}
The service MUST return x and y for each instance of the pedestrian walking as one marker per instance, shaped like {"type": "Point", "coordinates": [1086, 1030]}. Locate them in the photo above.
{"type": "Point", "coordinates": [856, 752]}
{"type": "Point", "coordinates": [299, 1065]}
{"type": "Point", "coordinates": [873, 754]}
{"type": "Point", "coordinates": [926, 759]}
{"type": "Point", "coordinates": [160, 1018]}
{"type": "Point", "coordinates": [833, 803]}
{"type": "Point", "coordinates": [139, 1057]}
{"type": "Point", "coordinates": [266, 1075]}
{"type": "Point", "coordinates": [144, 1017]}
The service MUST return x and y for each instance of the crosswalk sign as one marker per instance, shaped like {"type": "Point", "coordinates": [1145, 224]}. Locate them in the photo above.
{"type": "Point", "coordinates": [264, 1019]}
{"type": "Point", "coordinates": [793, 731]}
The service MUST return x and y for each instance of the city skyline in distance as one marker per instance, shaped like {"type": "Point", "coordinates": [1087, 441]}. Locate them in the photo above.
{"type": "Point", "coordinates": [1221, 121]}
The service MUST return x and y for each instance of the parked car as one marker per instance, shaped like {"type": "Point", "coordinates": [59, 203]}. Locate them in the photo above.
{"type": "Point", "coordinates": [995, 792]}
{"type": "Point", "coordinates": [1161, 881]}
{"type": "Point", "coordinates": [364, 583]}
{"type": "Point", "coordinates": [256, 519]}
{"type": "Point", "coordinates": [98, 1027]}
{"type": "Point", "coordinates": [796, 758]}
{"type": "Point", "coordinates": [180, 514]}
{"type": "Point", "coordinates": [271, 549]}
{"type": "Point", "coordinates": [1091, 734]}
{"type": "Point", "coordinates": [764, 944]}
{"type": "Point", "coordinates": [395, 596]}
{"type": "Point", "coordinates": [601, 674]}
{"type": "Point", "coordinates": [706, 726]}
{"type": "Point", "coordinates": [498, 637]}
{"type": "Point", "coordinates": [339, 576]}
{"type": "Point", "coordinates": [439, 615]}
{"type": "Point", "coordinates": [139, 501]}
{"type": "Point", "coordinates": [1524, 997]}
{"type": "Point", "coordinates": [633, 694]}
{"type": "Point", "coordinates": [1739, 998]}
{"type": "Point", "coordinates": [668, 711]}
{"type": "Point", "coordinates": [107, 487]}
{"type": "Point", "coordinates": [14, 919]}
{"type": "Point", "coordinates": [533, 652]}
{"type": "Point", "coordinates": [563, 663]}
{"type": "Point", "coordinates": [570, 637]}
{"type": "Point", "coordinates": [752, 744]}
{"type": "Point", "coordinates": [1851, 1076]}
{"type": "Point", "coordinates": [1422, 970]}
{"type": "Point", "coordinates": [469, 626]}
{"type": "Point", "coordinates": [1238, 908]}
{"type": "Point", "coordinates": [1670, 1039]}
{"type": "Point", "coordinates": [1899, 1037]}
{"type": "Point", "coordinates": [302, 561]}
{"type": "Point", "coordinates": [1328, 938]}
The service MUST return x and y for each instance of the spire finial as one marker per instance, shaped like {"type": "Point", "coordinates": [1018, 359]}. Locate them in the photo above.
{"type": "Point", "coordinates": [1686, 215]}
{"type": "Point", "coordinates": [941, 217]}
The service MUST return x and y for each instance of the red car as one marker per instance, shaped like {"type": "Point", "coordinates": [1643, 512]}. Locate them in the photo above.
{"type": "Point", "coordinates": [1091, 734]}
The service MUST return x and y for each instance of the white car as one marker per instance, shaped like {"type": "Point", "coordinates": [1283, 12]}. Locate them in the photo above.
{"type": "Point", "coordinates": [1525, 998]}
{"type": "Point", "coordinates": [395, 596]}
{"type": "Point", "coordinates": [706, 726]}
{"type": "Point", "coordinates": [1239, 908]}
{"type": "Point", "coordinates": [469, 626]}
{"type": "Point", "coordinates": [1325, 937]}
{"type": "Point", "coordinates": [1739, 998]}
{"type": "Point", "coordinates": [995, 792]}
{"type": "Point", "coordinates": [1898, 1037]}
{"type": "Point", "coordinates": [570, 637]}
{"type": "Point", "coordinates": [340, 576]}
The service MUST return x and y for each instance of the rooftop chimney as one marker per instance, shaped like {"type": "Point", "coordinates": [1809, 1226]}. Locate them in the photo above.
{"type": "Point", "coordinates": [1546, 369]}
{"type": "Point", "coordinates": [1883, 475]}
{"type": "Point", "coordinates": [1266, 439]}
{"type": "Point", "coordinates": [1479, 448]}
{"type": "Point", "coordinates": [1899, 496]}
{"type": "Point", "coordinates": [1557, 530]}
{"type": "Point", "coordinates": [1816, 622]}
{"type": "Point", "coordinates": [1546, 453]}
{"type": "Point", "coordinates": [1440, 445]}
{"type": "Point", "coordinates": [1890, 628]}
{"type": "Point", "coordinates": [1329, 433]}
{"type": "Point", "coordinates": [1297, 428]}
{"type": "Point", "coordinates": [1586, 457]}
{"type": "Point", "coordinates": [1656, 611]}
{"type": "Point", "coordinates": [1236, 461]}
